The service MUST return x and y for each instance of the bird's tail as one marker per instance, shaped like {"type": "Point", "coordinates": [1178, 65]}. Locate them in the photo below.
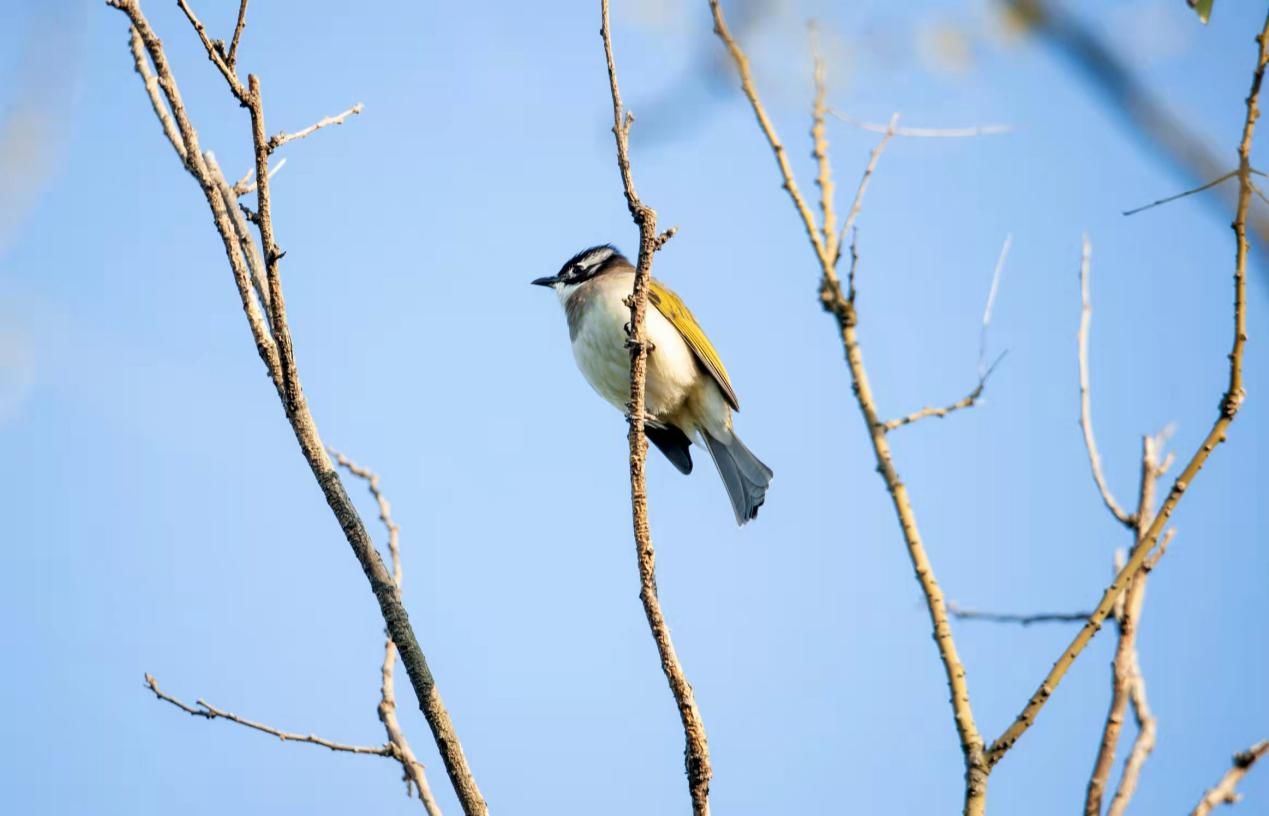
{"type": "Point", "coordinates": [744, 475]}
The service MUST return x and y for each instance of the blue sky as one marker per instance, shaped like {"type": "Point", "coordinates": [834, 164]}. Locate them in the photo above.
{"type": "Point", "coordinates": [160, 519]}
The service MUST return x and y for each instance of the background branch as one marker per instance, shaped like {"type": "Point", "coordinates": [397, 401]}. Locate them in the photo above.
{"type": "Point", "coordinates": [696, 751]}
{"type": "Point", "coordinates": [275, 347]}
{"type": "Point", "coordinates": [1231, 400]}
{"type": "Point", "coordinates": [842, 307]}
{"type": "Point", "coordinates": [387, 708]}
{"type": "Point", "coordinates": [204, 709]}
{"type": "Point", "coordinates": [1086, 407]}
{"type": "Point", "coordinates": [1224, 792]}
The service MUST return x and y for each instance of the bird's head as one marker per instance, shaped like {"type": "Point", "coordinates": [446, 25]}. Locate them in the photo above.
{"type": "Point", "coordinates": [584, 266]}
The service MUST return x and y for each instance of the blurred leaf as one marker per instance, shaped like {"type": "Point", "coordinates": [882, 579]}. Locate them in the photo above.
{"type": "Point", "coordinates": [1203, 8]}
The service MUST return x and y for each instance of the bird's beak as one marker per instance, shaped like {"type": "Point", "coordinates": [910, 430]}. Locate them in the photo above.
{"type": "Point", "coordinates": [551, 281]}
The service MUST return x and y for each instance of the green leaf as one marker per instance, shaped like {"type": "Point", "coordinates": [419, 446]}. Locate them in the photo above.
{"type": "Point", "coordinates": [1203, 8]}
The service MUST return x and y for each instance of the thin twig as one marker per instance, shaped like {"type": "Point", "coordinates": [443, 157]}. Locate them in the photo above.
{"type": "Point", "coordinates": [1231, 174]}
{"type": "Point", "coordinates": [1128, 95]}
{"type": "Point", "coordinates": [1025, 620]}
{"type": "Point", "coordinates": [768, 130]}
{"type": "Point", "coordinates": [1125, 669]}
{"type": "Point", "coordinates": [696, 750]}
{"type": "Point", "coordinates": [247, 183]}
{"type": "Point", "coordinates": [283, 137]}
{"type": "Point", "coordinates": [967, 401]}
{"type": "Point", "coordinates": [274, 344]}
{"type": "Point", "coordinates": [142, 65]}
{"type": "Point", "coordinates": [841, 305]}
{"type": "Point", "coordinates": [1231, 401]}
{"type": "Point", "coordinates": [819, 140]}
{"type": "Point", "coordinates": [1225, 792]}
{"type": "Point", "coordinates": [1147, 725]}
{"type": "Point", "coordinates": [213, 54]}
{"type": "Point", "coordinates": [992, 291]}
{"type": "Point", "coordinates": [387, 709]}
{"type": "Point", "coordinates": [232, 56]}
{"type": "Point", "coordinates": [1086, 406]}
{"type": "Point", "coordinates": [921, 132]}
{"type": "Point", "coordinates": [205, 710]}
{"type": "Point", "coordinates": [857, 205]}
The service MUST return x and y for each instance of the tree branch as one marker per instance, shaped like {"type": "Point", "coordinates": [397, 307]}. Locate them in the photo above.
{"type": "Point", "coordinates": [206, 710]}
{"type": "Point", "coordinates": [1224, 792]}
{"type": "Point", "coordinates": [232, 56]}
{"type": "Point", "coordinates": [283, 137]}
{"type": "Point", "coordinates": [213, 53]}
{"type": "Point", "coordinates": [1024, 620]}
{"type": "Point", "coordinates": [922, 132]}
{"type": "Point", "coordinates": [1125, 669]}
{"type": "Point", "coordinates": [967, 401]}
{"type": "Point", "coordinates": [696, 752]}
{"type": "Point", "coordinates": [1086, 408]}
{"type": "Point", "coordinates": [387, 709]}
{"type": "Point", "coordinates": [842, 307]}
{"type": "Point", "coordinates": [275, 347]}
{"type": "Point", "coordinates": [1231, 400]}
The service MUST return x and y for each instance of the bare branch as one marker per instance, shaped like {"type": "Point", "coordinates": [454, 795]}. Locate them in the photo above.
{"type": "Point", "coordinates": [213, 53]}
{"type": "Point", "coordinates": [1231, 174]}
{"type": "Point", "coordinates": [283, 137]}
{"type": "Point", "coordinates": [1086, 409]}
{"type": "Point", "coordinates": [992, 291]}
{"type": "Point", "coordinates": [819, 139]}
{"type": "Point", "coordinates": [857, 205]}
{"type": "Point", "coordinates": [768, 130]}
{"type": "Point", "coordinates": [1125, 669]}
{"type": "Point", "coordinates": [210, 712]}
{"type": "Point", "coordinates": [1230, 403]}
{"type": "Point", "coordinates": [142, 64]}
{"type": "Point", "coordinates": [967, 401]}
{"type": "Point", "coordinates": [1024, 620]}
{"type": "Point", "coordinates": [920, 132]}
{"type": "Point", "coordinates": [232, 57]}
{"type": "Point", "coordinates": [247, 183]}
{"type": "Point", "coordinates": [841, 305]}
{"type": "Point", "coordinates": [274, 344]}
{"type": "Point", "coordinates": [1224, 792]}
{"type": "Point", "coordinates": [696, 751]}
{"type": "Point", "coordinates": [414, 770]}
{"type": "Point", "coordinates": [250, 251]}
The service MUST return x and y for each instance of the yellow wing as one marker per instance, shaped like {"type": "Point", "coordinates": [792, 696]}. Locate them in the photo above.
{"type": "Point", "coordinates": [675, 311]}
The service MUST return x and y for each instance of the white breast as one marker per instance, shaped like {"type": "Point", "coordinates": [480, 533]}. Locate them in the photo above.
{"type": "Point", "coordinates": [599, 346]}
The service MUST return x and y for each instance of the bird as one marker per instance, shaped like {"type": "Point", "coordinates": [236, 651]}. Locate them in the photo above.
{"type": "Point", "coordinates": [688, 395]}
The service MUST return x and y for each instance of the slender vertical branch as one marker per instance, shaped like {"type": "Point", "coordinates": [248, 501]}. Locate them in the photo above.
{"type": "Point", "coordinates": [275, 346]}
{"type": "Point", "coordinates": [819, 140]}
{"type": "Point", "coordinates": [696, 753]}
{"type": "Point", "coordinates": [842, 306]}
{"type": "Point", "coordinates": [1086, 409]}
{"type": "Point", "coordinates": [232, 57]}
{"type": "Point", "coordinates": [768, 130]}
{"type": "Point", "coordinates": [387, 708]}
{"type": "Point", "coordinates": [1125, 671]}
{"type": "Point", "coordinates": [1231, 400]}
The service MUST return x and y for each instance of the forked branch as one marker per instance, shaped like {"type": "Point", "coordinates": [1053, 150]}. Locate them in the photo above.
{"type": "Point", "coordinates": [841, 304]}
{"type": "Point", "coordinates": [274, 344]}
{"type": "Point", "coordinates": [1231, 400]}
{"type": "Point", "coordinates": [206, 710]}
